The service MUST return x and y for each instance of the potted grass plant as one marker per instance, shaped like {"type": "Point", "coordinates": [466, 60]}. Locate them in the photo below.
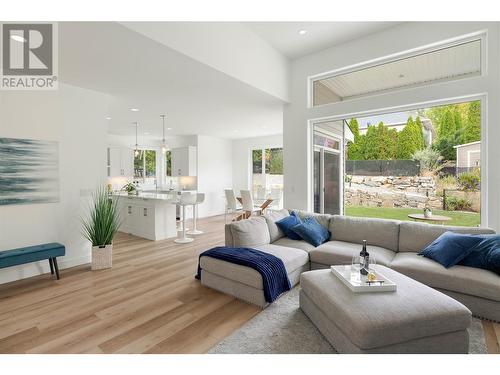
{"type": "Point", "coordinates": [100, 226]}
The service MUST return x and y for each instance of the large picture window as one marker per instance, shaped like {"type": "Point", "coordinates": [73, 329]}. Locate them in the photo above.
{"type": "Point", "coordinates": [422, 165]}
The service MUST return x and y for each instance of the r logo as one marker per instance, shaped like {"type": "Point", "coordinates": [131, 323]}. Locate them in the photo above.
{"type": "Point", "coordinates": [27, 49]}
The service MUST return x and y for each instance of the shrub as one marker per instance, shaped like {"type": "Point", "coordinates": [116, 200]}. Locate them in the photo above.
{"type": "Point", "coordinates": [458, 204]}
{"type": "Point", "coordinates": [429, 159]}
{"type": "Point", "coordinates": [470, 181]}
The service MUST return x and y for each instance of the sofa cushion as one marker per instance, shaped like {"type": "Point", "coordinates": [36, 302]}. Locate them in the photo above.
{"type": "Point", "coordinates": [340, 252]}
{"type": "Point", "coordinates": [416, 236]}
{"type": "Point", "coordinates": [272, 216]}
{"type": "Point", "coordinates": [485, 255]}
{"type": "Point", "coordinates": [461, 279]}
{"type": "Point", "coordinates": [250, 232]}
{"type": "Point", "coordinates": [311, 231]}
{"type": "Point", "coordinates": [323, 219]}
{"type": "Point", "coordinates": [286, 224]}
{"type": "Point", "coordinates": [287, 242]}
{"type": "Point", "coordinates": [292, 259]}
{"type": "Point", "coordinates": [450, 248]}
{"type": "Point", "coordinates": [378, 232]}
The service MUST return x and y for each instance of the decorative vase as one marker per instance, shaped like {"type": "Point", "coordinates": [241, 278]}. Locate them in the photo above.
{"type": "Point", "coordinates": [102, 257]}
{"type": "Point", "coordinates": [427, 213]}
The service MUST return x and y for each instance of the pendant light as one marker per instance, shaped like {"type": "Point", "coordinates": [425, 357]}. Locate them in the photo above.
{"type": "Point", "coordinates": [136, 151]}
{"type": "Point", "coordinates": [163, 144]}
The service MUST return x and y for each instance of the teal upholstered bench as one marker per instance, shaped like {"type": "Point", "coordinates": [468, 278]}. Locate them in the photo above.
{"type": "Point", "coordinates": [30, 254]}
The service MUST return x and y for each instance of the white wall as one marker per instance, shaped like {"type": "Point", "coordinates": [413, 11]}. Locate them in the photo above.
{"type": "Point", "coordinates": [73, 117]}
{"type": "Point", "coordinates": [242, 158]}
{"type": "Point", "coordinates": [214, 173]}
{"type": "Point", "coordinates": [229, 47]}
{"type": "Point", "coordinates": [394, 40]}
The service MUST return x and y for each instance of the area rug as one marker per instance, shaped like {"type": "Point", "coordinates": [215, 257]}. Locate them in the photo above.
{"type": "Point", "coordinates": [283, 328]}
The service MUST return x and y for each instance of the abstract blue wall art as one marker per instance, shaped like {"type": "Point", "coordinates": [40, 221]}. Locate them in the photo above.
{"type": "Point", "coordinates": [29, 171]}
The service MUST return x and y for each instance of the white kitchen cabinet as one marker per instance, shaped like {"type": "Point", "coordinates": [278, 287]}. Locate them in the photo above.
{"type": "Point", "coordinates": [184, 161]}
{"type": "Point", "coordinates": [149, 215]}
{"type": "Point", "coordinates": [120, 162]}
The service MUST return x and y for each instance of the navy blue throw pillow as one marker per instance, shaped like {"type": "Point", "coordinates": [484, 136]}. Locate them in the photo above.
{"type": "Point", "coordinates": [485, 255]}
{"type": "Point", "coordinates": [287, 223]}
{"type": "Point", "coordinates": [450, 248]}
{"type": "Point", "coordinates": [311, 231]}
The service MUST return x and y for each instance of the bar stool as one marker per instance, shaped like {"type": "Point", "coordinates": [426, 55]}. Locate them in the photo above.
{"type": "Point", "coordinates": [200, 197]}
{"type": "Point", "coordinates": [187, 199]}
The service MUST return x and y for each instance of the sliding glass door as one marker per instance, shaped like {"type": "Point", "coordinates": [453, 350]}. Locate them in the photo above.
{"type": "Point", "coordinates": [327, 174]}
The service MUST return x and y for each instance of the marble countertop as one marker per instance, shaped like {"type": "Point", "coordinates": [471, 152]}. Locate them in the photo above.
{"type": "Point", "coordinates": [156, 196]}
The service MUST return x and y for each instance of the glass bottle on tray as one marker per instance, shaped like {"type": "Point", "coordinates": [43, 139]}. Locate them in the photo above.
{"type": "Point", "coordinates": [364, 260]}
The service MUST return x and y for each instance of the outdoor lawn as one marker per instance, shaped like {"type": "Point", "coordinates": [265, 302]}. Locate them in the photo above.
{"type": "Point", "coordinates": [467, 219]}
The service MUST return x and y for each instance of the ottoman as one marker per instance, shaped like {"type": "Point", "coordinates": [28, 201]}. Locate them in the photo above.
{"type": "Point", "coordinates": [413, 319]}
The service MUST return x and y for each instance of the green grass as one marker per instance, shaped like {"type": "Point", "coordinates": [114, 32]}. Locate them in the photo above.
{"type": "Point", "coordinates": [466, 219]}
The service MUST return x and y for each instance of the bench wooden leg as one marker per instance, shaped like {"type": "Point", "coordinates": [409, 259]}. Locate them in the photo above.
{"type": "Point", "coordinates": [51, 266]}
{"type": "Point", "coordinates": [54, 260]}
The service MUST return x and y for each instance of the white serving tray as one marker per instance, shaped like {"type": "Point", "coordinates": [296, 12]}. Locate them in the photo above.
{"type": "Point", "coordinates": [352, 278]}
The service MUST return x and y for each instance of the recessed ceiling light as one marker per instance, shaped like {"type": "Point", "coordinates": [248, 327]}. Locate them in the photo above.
{"type": "Point", "coordinates": [302, 32]}
{"type": "Point", "coordinates": [18, 38]}
{"type": "Point", "coordinates": [169, 128]}
{"type": "Point", "coordinates": [108, 118]}
{"type": "Point", "coordinates": [134, 109]}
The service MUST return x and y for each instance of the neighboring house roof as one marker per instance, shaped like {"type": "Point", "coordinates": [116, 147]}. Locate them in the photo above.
{"type": "Point", "coordinates": [467, 144]}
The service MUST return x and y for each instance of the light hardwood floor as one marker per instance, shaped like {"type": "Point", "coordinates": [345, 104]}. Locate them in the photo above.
{"type": "Point", "coordinates": [149, 302]}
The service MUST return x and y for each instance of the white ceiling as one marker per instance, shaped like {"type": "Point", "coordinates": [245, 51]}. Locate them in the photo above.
{"type": "Point", "coordinates": [443, 64]}
{"type": "Point", "coordinates": [284, 36]}
{"type": "Point", "coordinates": [138, 72]}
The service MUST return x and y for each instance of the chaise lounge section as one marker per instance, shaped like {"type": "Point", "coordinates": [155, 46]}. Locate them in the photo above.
{"type": "Point", "coordinates": [394, 244]}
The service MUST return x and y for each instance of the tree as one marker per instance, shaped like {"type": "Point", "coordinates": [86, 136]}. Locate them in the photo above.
{"type": "Point", "coordinates": [371, 144]}
{"type": "Point", "coordinates": [354, 149]}
{"type": "Point", "coordinates": [472, 128]}
{"type": "Point", "coordinates": [447, 126]}
{"type": "Point", "coordinates": [419, 134]}
{"type": "Point", "coordinates": [410, 139]}
{"type": "Point", "coordinates": [445, 145]}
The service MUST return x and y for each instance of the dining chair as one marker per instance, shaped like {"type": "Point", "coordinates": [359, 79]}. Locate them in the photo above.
{"type": "Point", "coordinates": [232, 205]}
{"type": "Point", "coordinates": [248, 204]}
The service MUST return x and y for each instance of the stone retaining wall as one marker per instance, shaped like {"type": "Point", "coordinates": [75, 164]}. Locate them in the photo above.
{"type": "Point", "coordinates": [402, 192]}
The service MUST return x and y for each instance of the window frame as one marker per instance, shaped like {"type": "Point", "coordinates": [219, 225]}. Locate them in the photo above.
{"type": "Point", "coordinates": [479, 35]}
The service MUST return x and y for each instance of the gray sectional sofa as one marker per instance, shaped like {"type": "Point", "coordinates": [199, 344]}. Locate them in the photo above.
{"type": "Point", "coordinates": [393, 243]}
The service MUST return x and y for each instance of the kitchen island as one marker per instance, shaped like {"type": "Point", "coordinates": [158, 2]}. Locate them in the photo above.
{"type": "Point", "coordinates": [148, 215]}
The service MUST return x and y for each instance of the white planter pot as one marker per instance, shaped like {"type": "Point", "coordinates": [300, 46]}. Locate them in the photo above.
{"type": "Point", "coordinates": [102, 257]}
